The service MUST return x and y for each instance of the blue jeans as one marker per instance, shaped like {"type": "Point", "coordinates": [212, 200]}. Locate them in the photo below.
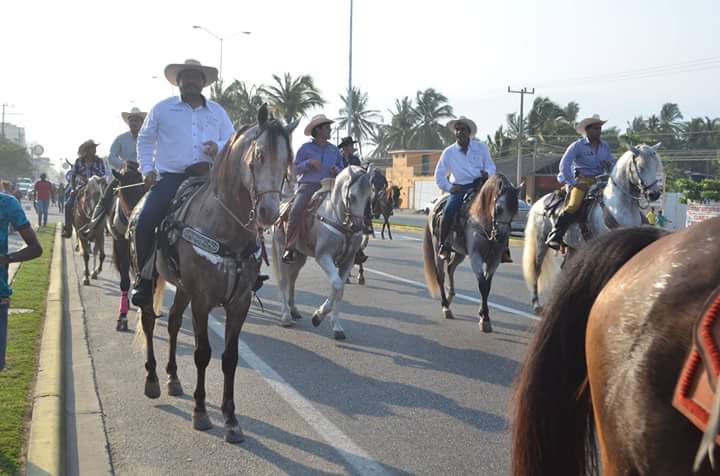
{"type": "Point", "coordinates": [42, 209]}
{"type": "Point", "coordinates": [157, 205]}
{"type": "Point", "coordinates": [453, 204]}
{"type": "Point", "coordinates": [3, 332]}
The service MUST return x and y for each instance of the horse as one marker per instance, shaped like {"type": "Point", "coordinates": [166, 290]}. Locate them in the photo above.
{"type": "Point", "coordinates": [240, 197]}
{"type": "Point", "coordinates": [333, 239]}
{"type": "Point", "coordinates": [129, 192]}
{"type": "Point", "coordinates": [606, 358]}
{"type": "Point", "coordinates": [486, 236]}
{"type": "Point", "coordinates": [89, 193]}
{"type": "Point", "coordinates": [632, 179]}
{"type": "Point", "coordinates": [384, 201]}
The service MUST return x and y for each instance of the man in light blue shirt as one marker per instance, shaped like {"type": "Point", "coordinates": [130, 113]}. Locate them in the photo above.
{"type": "Point", "coordinates": [122, 151]}
{"type": "Point", "coordinates": [178, 133]}
{"type": "Point", "coordinates": [583, 160]}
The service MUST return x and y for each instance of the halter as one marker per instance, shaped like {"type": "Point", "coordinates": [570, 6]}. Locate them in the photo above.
{"type": "Point", "coordinates": [348, 218]}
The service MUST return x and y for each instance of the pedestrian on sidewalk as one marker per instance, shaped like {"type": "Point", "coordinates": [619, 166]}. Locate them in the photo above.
{"type": "Point", "coordinates": [11, 213]}
{"type": "Point", "coordinates": [42, 191]}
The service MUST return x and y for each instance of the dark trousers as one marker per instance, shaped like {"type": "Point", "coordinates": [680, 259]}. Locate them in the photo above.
{"type": "Point", "coordinates": [303, 195]}
{"type": "Point", "coordinates": [157, 205]}
{"type": "Point", "coordinates": [452, 206]}
{"type": "Point", "coordinates": [69, 205]}
{"type": "Point", "coordinates": [108, 194]}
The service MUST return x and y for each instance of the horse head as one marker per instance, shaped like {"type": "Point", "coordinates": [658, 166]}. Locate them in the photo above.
{"type": "Point", "coordinates": [640, 166]}
{"type": "Point", "coordinates": [131, 188]}
{"type": "Point", "coordinates": [496, 204]}
{"type": "Point", "coordinates": [351, 193]}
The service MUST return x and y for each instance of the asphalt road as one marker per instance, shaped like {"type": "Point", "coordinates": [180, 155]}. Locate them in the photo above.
{"type": "Point", "coordinates": [407, 393]}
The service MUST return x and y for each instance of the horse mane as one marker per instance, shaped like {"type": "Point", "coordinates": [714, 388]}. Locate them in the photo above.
{"type": "Point", "coordinates": [483, 205]}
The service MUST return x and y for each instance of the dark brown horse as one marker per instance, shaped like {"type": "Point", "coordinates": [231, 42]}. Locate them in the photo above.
{"type": "Point", "coordinates": [605, 360]}
{"type": "Point", "coordinates": [89, 193]}
{"type": "Point", "coordinates": [130, 191]}
{"type": "Point", "coordinates": [384, 201]}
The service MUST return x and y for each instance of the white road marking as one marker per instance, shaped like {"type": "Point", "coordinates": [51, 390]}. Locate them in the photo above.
{"type": "Point", "coordinates": [461, 296]}
{"type": "Point", "coordinates": [406, 237]}
{"type": "Point", "coordinates": [355, 456]}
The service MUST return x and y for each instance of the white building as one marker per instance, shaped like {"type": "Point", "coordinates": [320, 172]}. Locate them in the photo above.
{"type": "Point", "coordinates": [14, 133]}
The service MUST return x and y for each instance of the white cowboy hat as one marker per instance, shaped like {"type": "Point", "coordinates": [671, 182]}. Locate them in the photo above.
{"type": "Point", "coordinates": [318, 120]}
{"type": "Point", "coordinates": [463, 120]}
{"type": "Point", "coordinates": [133, 112]}
{"type": "Point", "coordinates": [588, 121]}
{"type": "Point", "coordinates": [173, 70]}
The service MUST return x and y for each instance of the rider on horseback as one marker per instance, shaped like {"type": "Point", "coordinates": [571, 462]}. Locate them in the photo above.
{"type": "Point", "coordinates": [86, 165]}
{"type": "Point", "coordinates": [178, 133]}
{"type": "Point", "coordinates": [122, 151]}
{"type": "Point", "coordinates": [584, 160]}
{"type": "Point", "coordinates": [468, 164]}
{"type": "Point", "coordinates": [314, 161]}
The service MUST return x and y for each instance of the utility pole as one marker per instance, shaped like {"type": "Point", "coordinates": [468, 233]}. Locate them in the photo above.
{"type": "Point", "coordinates": [521, 133]}
{"type": "Point", "coordinates": [350, 92]}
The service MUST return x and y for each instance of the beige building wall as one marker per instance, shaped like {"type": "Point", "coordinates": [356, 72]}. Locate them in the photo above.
{"type": "Point", "coordinates": [409, 166]}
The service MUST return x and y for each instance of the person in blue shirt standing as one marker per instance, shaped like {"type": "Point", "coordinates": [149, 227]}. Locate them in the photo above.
{"type": "Point", "coordinates": [314, 161]}
{"type": "Point", "coordinates": [11, 213]}
{"type": "Point", "coordinates": [583, 160]}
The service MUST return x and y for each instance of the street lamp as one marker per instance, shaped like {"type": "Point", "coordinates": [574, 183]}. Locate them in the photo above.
{"type": "Point", "coordinates": [198, 27]}
{"type": "Point", "coordinates": [349, 96]}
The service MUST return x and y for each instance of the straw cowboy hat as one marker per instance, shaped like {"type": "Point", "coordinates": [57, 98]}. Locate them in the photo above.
{"type": "Point", "coordinates": [87, 144]}
{"type": "Point", "coordinates": [173, 70]}
{"type": "Point", "coordinates": [587, 122]}
{"type": "Point", "coordinates": [318, 120]}
{"type": "Point", "coordinates": [133, 112]}
{"type": "Point", "coordinates": [463, 120]}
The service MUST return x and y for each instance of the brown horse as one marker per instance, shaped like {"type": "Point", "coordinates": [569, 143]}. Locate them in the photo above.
{"type": "Point", "coordinates": [605, 360]}
{"type": "Point", "coordinates": [89, 193]}
{"type": "Point", "coordinates": [384, 201]}
{"type": "Point", "coordinates": [484, 238]}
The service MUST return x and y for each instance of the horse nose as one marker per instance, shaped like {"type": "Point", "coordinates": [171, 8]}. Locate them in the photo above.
{"type": "Point", "coordinates": [654, 196]}
{"type": "Point", "coordinates": [266, 216]}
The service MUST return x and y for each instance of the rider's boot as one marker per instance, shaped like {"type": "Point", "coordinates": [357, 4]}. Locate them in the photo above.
{"type": "Point", "coordinates": [261, 278]}
{"type": "Point", "coordinates": [142, 293]}
{"type": "Point", "coordinates": [506, 258]}
{"type": "Point", "coordinates": [555, 238]}
{"type": "Point", "coordinates": [360, 257]}
{"type": "Point", "coordinates": [67, 228]}
{"type": "Point", "coordinates": [288, 256]}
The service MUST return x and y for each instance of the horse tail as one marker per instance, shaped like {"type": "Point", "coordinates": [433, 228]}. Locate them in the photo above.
{"type": "Point", "coordinates": [158, 294]}
{"type": "Point", "coordinates": [534, 237]}
{"type": "Point", "coordinates": [139, 341]}
{"type": "Point", "coordinates": [529, 250]}
{"type": "Point", "coordinates": [430, 266]}
{"type": "Point", "coordinates": [551, 409]}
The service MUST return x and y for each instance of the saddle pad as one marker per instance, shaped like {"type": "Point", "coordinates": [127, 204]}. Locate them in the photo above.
{"type": "Point", "coordinates": [696, 387]}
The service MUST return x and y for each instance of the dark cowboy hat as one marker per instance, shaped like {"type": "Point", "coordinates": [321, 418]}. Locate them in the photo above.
{"type": "Point", "coordinates": [87, 144]}
{"type": "Point", "coordinates": [346, 141]}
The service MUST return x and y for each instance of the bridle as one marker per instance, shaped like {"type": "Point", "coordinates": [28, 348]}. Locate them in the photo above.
{"type": "Point", "coordinates": [495, 234]}
{"type": "Point", "coordinates": [353, 225]}
{"type": "Point", "coordinates": [636, 192]}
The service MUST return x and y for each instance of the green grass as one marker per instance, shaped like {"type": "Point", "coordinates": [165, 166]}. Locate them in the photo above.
{"type": "Point", "coordinates": [24, 331]}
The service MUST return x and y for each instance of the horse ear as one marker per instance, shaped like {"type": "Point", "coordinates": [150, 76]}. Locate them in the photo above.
{"type": "Point", "coordinates": [656, 146]}
{"type": "Point", "coordinates": [519, 187]}
{"type": "Point", "coordinates": [116, 174]}
{"type": "Point", "coordinates": [263, 115]}
{"type": "Point", "coordinates": [635, 151]}
{"type": "Point", "coordinates": [292, 125]}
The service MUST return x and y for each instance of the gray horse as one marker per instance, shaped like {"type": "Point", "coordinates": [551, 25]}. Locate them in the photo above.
{"type": "Point", "coordinates": [632, 180]}
{"type": "Point", "coordinates": [333, 239]}
{"type": "Point", "coordinates": [485, 238]}
{"type": "Point", "coordinates": [88, 195]}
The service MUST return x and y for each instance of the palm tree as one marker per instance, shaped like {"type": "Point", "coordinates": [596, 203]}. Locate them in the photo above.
{"type": "Point", "coordinates": [240, 102]}
{"type": "Point", "coordinates": [292, 98]}
{"type": "Point", "coordinates": [570, 112]}
{"type": "Point", "coordinates": [542, 116]}
{"type": "Point", "coordinates": [402, 122]}
{"type": "Point", "coordinates": [670, 123]}
{"type": "Point", "coordinates": [430, 108]}
{"type": "Point", "coordinates": [363, 119]}
{"type": "Point", "coordinates": [379, 138]}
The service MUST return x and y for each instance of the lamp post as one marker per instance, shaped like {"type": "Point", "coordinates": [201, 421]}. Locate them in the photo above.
{"type": "Point", "coordinates": [198, 27]}
{"type": "Point", "coordinates": [349, 96]}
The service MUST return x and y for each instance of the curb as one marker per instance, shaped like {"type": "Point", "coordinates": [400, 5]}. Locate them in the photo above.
{"type": "Point", "coordinates": [47, 429]}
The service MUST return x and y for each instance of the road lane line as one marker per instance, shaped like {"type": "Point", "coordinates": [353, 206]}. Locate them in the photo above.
{"type": "Point", "coordinates": [355, 456]}
{"type": "Point", "coordinates": [461, 296]}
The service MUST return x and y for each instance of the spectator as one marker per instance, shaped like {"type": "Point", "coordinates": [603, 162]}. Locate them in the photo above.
{"type": "Point", "coordinates": [651, 216]}
{"type": "Point", "coordinates": [662, 220]}
{"type": "Point", "coordinates": [11, 213]}
{"type": "Point", "coordinates": [42, 192]}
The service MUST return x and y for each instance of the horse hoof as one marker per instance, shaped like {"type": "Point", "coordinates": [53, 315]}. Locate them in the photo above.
{"type": "Point", "coordinates": [347, 281]}
{"type": "Point", "coordinates": [119, 325]}
{"type": "Point", "coordinates": [316, 319]}
{"type": "Point", "coordinates": [152, 389]}
{"type": "Point", "coordinates": [86, 282]}
{"type": "Point", "coordinates": [537, 309]}
{"type": "Point", "coordinates": [486, 326]}
{"type": "Point", "coordinates": [339, 335]}
{"type": "Point", "coordinates": [286, 321]}
{"type": "Point", "coordinates": [124, 325]}
{"type": "Point", "coordinates": [174, 387]}
{"type": "Point", "coordinates": [361, 281]}
{"type": "Point", "coordinates": [447, 314]}
{"type": "Point", "coordinates": [201, 421]}
{"type": "Point", "coordinates": [296, 316]}
{"type": "Point", "coordinates": [94, 276]}
{"type": "Point", "coordinates": [233, 434]}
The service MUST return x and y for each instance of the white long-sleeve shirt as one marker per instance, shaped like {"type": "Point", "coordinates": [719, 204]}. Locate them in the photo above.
{"type": "Point", "coordinates": [458, 168]}
{"type": "Point", "coordinates": [172, 136]}
{"type": "Point", "coordinates": [123, 149]}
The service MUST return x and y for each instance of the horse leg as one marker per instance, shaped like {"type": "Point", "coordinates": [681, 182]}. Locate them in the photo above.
{"type": "Point", "coordinates": [294, 273]}
{"type": "Point", "coordinates": [338, 331]}
{"type": "Point", "coordinates": [200, 418]}
{"type": "Point", "coordinates": [441, 265]}
{"type": "Point", "coordinates": [122, 261]}
{"type": "Point", "coordinates": [233, 325]}
{"type": "Point", "coordinates": [337, 284]}
{"type": "Point", "coordinates": [175, 317]}
{"type": "Point", "coordinates": [387, 220]}
{"type": "Point", "coordinates": [152, 387]}
{"type": "Point", "coordinates": [456, 260]}
{"type": "Point", "coordinates": [361, 275]}
{"type": "Point", "coordinates": [484, 279]}
{"type": "Point", "coordinates": [540, 255]}
{"type": "Point", "coordinates": [101, 245]}
{"type": "Point", "coordinates": [382, 231]}
{"type": "Point", "coordinates": [86, 258]}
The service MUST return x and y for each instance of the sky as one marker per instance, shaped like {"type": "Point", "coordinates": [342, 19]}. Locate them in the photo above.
{"type": "Point", "coordinates": [70, 68]}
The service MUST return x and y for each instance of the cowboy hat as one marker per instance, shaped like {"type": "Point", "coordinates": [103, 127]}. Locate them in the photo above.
{"type": "Point", "coordinates": [318, 120]}
{"type": "Point", "coordinates": [86, 144]}
{"type": "Point", "coordinates": [463, 120]}
{"type": "Point", "coordinates": [346, 141]}
{"type": "Point", "coordinates": [587, 122]}
{"type": "Point", "coordinates": [133, 112]}
{"type": "Point", "coordinates": [173, 70]}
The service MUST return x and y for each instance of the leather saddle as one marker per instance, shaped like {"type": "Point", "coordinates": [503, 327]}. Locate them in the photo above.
{"type": "Point", "coordinates": [456, 234]}
{"type": "Point", "coordinates": [554, 203]}
{"type": "Point", "coordinates": [310, 212]}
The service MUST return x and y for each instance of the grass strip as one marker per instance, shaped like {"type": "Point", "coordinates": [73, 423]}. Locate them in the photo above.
{"type": "Point", "coordinates": [29, 292]}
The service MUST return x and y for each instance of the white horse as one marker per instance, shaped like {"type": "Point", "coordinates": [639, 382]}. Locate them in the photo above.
{"type": "Point", "coordinates": [333, 239]}
{"type": "Point", "coordinates": [632, 180]}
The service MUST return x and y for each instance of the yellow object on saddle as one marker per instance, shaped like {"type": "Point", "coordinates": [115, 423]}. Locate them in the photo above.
{"type": "Point", "coordinates": [577, 193]}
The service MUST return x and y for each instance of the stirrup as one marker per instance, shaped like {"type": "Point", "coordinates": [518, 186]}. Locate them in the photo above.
{"type": "Point", "coordinates": [444, 251]}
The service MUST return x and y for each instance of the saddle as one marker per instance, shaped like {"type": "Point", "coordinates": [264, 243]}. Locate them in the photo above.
{"type": "Point", "coordinates": [555, 201]}
{"type": "Point", "coordinates": [696, 389]}
{"type": "Point", "coordinates": [326, 186]}
{"type": "Point", "coordinates": [461, 217]}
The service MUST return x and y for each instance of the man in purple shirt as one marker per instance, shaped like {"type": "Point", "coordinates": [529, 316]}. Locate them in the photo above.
{"type": "Point", "coordinates": [314, 161]}
{"type": "Point", "coordinates": [584, 159]}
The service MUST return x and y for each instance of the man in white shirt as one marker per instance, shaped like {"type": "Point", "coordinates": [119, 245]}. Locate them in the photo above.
{"type": "Point", "coordinates": [122, 151]}
{"type": "Point", "coordinates": [178, 133]}
{"type": "Point", "coordinates": [461, 168]}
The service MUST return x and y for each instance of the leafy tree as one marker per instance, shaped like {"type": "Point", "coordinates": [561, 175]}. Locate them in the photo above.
{"type": "Point", "coordinates": [14, 160]}
{"type": "Point", "coordinates": [291, 98]}
{"type": "Point", "coordinates": [432, 111]}
{"type": "Point", "coordinates": [240, 102]}
{"type": "Point", "coordinates": [363, 119]}
{"type": "Point", "coordinates": [403, 120]}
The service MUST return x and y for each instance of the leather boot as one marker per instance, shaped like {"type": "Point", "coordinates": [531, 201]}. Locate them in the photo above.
{"type": "Point", "coordinates": [142, 294]}
{"type": "Point", "coordinates": [555, 238]}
